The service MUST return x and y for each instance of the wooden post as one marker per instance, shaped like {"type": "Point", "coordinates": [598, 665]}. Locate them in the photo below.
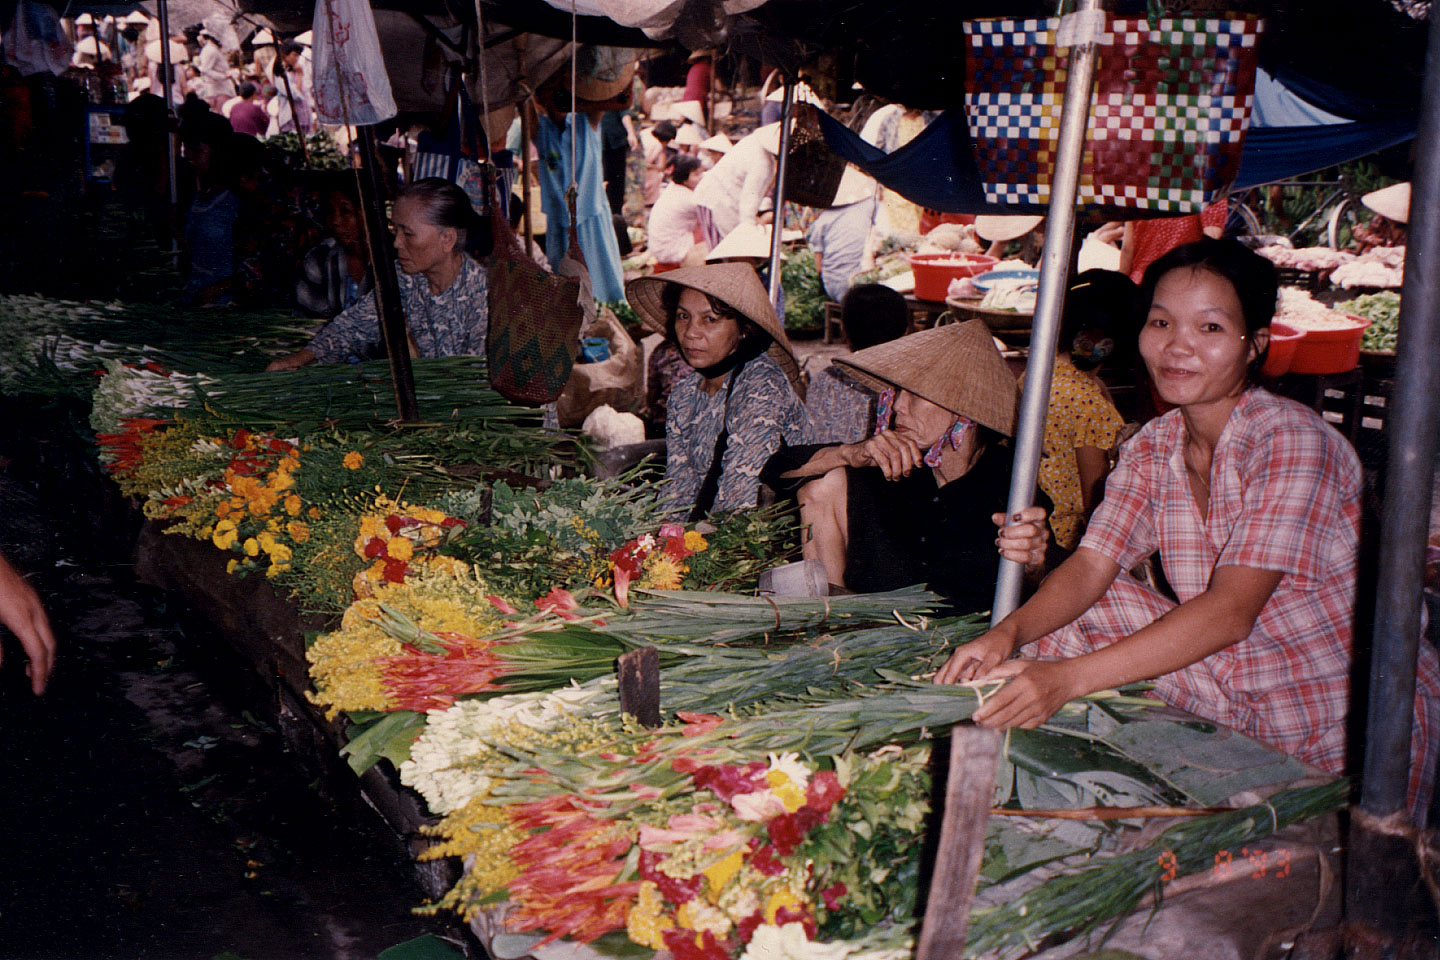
{"type": "Point", "coordinates": [640, 685]}
{"type": "Point", "coordinates": [527, 126]}
{"type": "Point", "coordinates": [387, 291]}
{"type": "Point", "coordinates": [974, 752]}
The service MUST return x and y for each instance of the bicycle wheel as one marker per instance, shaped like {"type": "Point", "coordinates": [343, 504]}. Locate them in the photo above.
{"type": "Point", "coordinates": [1340, 226]}
{"type": "Point", "coordinates": [1241, 222]}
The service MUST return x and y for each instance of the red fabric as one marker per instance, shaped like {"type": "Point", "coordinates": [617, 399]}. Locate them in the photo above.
{"type": "Point", "coordinates": [697, 81]}
{"type": "Point", "coordinates": [1155, 238]}
{"type": "Point", "coordinates": [664, 268]}
{"type": "Point", "coordinates": [1285, 497]}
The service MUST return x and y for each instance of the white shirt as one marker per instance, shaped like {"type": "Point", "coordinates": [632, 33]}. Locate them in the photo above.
{"type": "Point", "coordinates": [214, 72]}
{"type": "Point", "coordinates": [673, 220]}
{"type": "Point", "coordinates": [738, 184]}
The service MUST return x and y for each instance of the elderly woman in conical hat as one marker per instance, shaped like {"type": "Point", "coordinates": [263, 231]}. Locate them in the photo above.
{"type": "Point", "coordinates": [918, 501]}
{"type": "Point", "coordinates": [744, 400]}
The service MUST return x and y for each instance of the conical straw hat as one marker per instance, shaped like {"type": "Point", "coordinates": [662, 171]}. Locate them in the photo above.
{"type": "Point", "coordinates": [1392, 202]}
{"type": "Point", "coordinates": [956, 366]}
{"type": "Point", "coordinates": [735, 284]}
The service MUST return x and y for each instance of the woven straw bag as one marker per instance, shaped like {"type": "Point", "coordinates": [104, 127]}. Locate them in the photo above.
{"type": "Point", "coordinates": [535, 319]}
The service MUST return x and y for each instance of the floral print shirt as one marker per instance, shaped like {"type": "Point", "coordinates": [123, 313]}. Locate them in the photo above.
{"type": "Point", "coordinates": [1080, 415]}
{"type": "Point", "coordinates": [451, 323]}
{"type": "Point", "coordinates": [840, 409]}
{"type": "Point", "coordinates": [764, 414]}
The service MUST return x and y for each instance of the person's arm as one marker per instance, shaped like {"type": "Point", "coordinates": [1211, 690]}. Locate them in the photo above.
{"type": "Point", "coordinates": [1092, 464]}
{"type": "Point", "coordinates": [353, 330]}
{"type": "Point", "coordinates": [1074, 587]}
{"type": "Point", "coordinates": [22, 611]}
{"type": "Point", "coordinates": [1221, 616]}
{"type": "Point", "coordinates": [896, 455]}
{"type": "Point", "coordinates": [632, 138]}
{"type": "Point", "coordinates": [758, 180]}
{"type": "Point", "coordinates": [1127, 248]}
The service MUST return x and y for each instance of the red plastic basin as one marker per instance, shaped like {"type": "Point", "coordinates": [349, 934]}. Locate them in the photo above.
{"type": "Point", "coordinates": [934, 271]}
{"type": "Point", "coordinates": [1330, 349]}
{"type": "Point", "coordinates": [1283, 341]}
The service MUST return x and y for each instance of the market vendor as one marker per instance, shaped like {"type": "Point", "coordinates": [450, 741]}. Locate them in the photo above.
{"type": "Point", "coordinates": [1388, 228]}
{"type": "Point", "coordinates": [442, 288]}
{"type": "Point", "coordinates": [1253, 503]}
{"type": "Point", "coordinates": [742, 402]}
{"type": "Point", "coordinates": [916, 503]}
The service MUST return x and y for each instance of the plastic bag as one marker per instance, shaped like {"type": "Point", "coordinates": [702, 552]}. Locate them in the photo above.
{"type": "Point", "coordinates": [34, 41]}
{"type": "Point", "coordinates": [351, 85]}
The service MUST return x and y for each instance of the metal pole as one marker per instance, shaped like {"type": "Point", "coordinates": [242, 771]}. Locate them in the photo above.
{"type": "Point", "coordinates": [1381, 853]}
{"type": "Point", "coordinates": [777, 226]}
{"type": "Point", "coordinates": [162, 8]}
{"type": "Point", "coordinates": [1054, 270]}
{"type": "Point", "coordinates": [387, 291]}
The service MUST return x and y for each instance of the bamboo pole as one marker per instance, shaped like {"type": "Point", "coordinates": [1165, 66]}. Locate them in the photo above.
{"type": "Point", "coordinates": [162, 8]}
{"type": "Point", "coordinates": [1054, 270]}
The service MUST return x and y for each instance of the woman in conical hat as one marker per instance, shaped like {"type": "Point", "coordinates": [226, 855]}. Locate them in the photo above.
{"type": "Point", "coordinates": [744, 400]}
{"type": "Point", "coordinates": [915, 503]}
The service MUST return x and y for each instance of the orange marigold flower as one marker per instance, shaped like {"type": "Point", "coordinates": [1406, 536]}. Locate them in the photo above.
{"type": "Point", "coordinates": [353, 460]}
{"type": "Point", "coordinates": [293, 505]}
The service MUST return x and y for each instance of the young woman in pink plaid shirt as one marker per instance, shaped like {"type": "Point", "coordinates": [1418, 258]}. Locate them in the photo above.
{"type": "Point", "coordinates": [1253, 503]}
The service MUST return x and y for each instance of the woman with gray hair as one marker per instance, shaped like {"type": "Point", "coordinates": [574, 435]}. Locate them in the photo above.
{"type": "Point", "coordinates": [442, 288]}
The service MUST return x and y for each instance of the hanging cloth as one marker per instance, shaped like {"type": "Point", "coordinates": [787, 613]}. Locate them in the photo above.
{"type": "Point", "coordinates": [595, 230]}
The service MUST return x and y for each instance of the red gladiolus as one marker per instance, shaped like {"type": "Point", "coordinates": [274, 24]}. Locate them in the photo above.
{"type": "Point", "coordinates": [559, 602]}
{"type": "Point", "coordinates": [683, 946]}
{"type": "Point", "coordinates": [395, 570]}
{"type": "Point", "coordinates": [622, 586]}
{"type": "Point", "coordinates": [798, 915]}
{"type": "Point", "coordinates": [242, 437]}
{"type": "Point", "coordinates": [393, 523]}
{"type": "Point", "coordinates": [423, 681]}
{"type": "Point", "coordinates": [375, 547]}
{"type": "Point", "coordinates": [726, 781]}
{"type": "Point", "coordinates": [675, 548]}
{"type": "Point", "coordinates": [500, 603]}
{"type": "Point", "coordinates": [674, 889]}
{"type": "Point", "coordinates": [832, 894]}
{"type": "Point", "coordinates": [789, 829]}
{"type": "Point", "coordinates": [452, 522]}
{"type": "Point", "coordinates": [697, 724]}
{"type": "Point", "coordinates": [567, 872]}
{"type": "Point", "coordinates": [763, 859]}
{"type": "Point", "coordinates": [746, 927]}
{"type": "Point", "coordinates": [824, 791]}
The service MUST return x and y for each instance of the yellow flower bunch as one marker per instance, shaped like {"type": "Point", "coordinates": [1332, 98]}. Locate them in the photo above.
{"type": "Point", "coordinates": [480, 831]}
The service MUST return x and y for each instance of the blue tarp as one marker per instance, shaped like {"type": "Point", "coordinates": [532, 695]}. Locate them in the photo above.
{"type": "Point", "coordinates": [937, 169]}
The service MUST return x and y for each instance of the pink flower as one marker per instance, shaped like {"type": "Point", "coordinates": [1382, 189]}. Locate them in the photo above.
{"type": "Point", "coordinates": [726, 781]}
{"type": "Point", "coordinates": [681, 943]}
{"type": "Point", "coordinates": [789, 829]}
{"type": "Point", "coordinates": [671, 888]}
{"type": "Point", "coordinates": [726, 839]}
{"type": "Point", "coordinates": [500, 603]}
{"type": "Point", "coordinates": [764, 861]}
{"type": "Point", "coordinates": [832, 894]}
{"type": "Point", "coordinates": [672, 530]}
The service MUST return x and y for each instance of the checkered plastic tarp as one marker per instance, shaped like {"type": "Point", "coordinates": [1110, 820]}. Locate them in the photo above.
{"type": "Point", "coordinates": [1167, 118]}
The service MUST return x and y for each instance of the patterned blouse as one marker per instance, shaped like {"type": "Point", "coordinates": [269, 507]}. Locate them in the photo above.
{"type": "Point", "coordinates": [764, 413]}
{"type": "Point", "coordinates": [1285, 497]}
{"type": "Point", "coordinates": [1080, 415]}
{"type": "Point", "coordinates": [451, 323]}
{"type": "Point", "coordinates": [840, 410]}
